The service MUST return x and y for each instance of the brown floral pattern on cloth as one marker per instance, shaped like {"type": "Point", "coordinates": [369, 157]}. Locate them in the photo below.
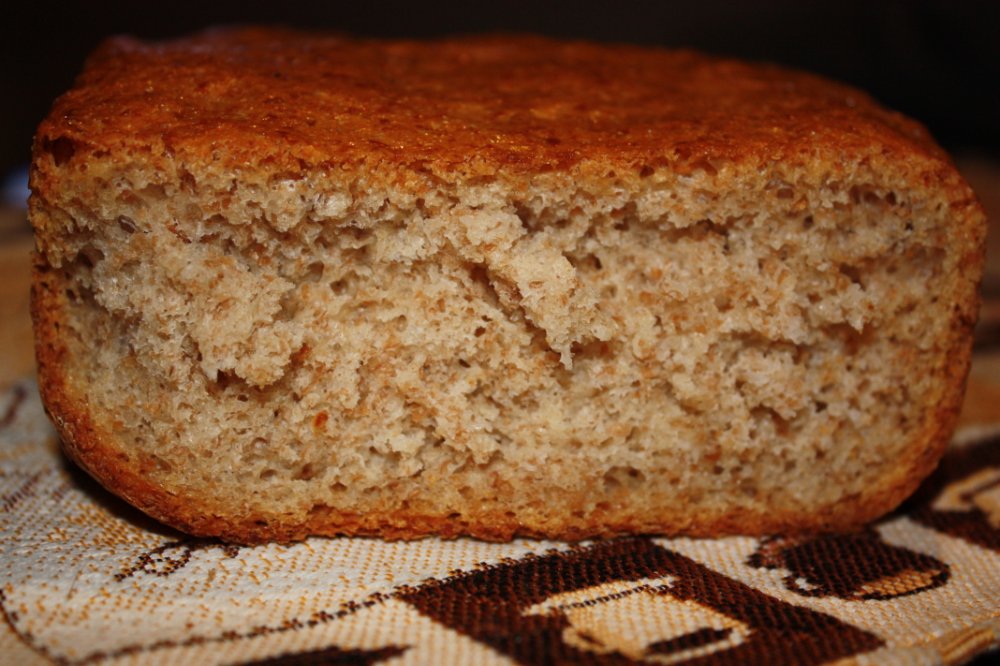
{"type": "Point", "coordinates": [84, 579]}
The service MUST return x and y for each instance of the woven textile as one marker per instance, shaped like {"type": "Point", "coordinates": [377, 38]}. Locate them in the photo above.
{"type": "Point", "coordinates": [87, 580]}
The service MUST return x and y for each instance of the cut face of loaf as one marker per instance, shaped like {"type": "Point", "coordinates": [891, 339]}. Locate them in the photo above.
{"type": "Point", "coordinates": [410, 302]}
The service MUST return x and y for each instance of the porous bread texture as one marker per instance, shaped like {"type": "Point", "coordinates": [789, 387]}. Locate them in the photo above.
{"type": "Point", "coordinates": [567, 357]}
{"type": "Point", "coordinates": [292, 285]}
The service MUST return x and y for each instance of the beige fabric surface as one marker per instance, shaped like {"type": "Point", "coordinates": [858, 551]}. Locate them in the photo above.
{"type": "Point", "coordinates": [87, 580]}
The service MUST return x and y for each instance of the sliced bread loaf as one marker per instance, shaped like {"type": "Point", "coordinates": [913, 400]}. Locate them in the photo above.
{"type": "Point", "coordinates": [293, 284]}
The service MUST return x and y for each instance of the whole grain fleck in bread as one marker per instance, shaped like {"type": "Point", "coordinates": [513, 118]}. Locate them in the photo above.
{"type": "Point", "coordinates": [293, 284]}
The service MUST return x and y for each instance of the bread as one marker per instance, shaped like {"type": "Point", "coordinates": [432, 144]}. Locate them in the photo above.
{"type": "Point", "coordinates": [296, 284]}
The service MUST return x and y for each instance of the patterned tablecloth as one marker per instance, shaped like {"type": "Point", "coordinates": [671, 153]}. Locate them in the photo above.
{"type": "Point", "coordinates": [84, 579]}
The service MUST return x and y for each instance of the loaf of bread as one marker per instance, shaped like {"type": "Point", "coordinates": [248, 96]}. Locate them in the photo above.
{"type": "Point", "coordinates": [297, 284]}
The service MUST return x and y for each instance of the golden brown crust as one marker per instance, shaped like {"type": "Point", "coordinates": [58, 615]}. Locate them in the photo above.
{"type": "Point", "coordinates": [523, 105]}
{"type": "Point", "coordinates": [367, 107]}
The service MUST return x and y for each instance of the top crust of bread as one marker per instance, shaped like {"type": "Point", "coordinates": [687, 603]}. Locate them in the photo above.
{"type": "Point", "coordinates": [495, 114]}
{"type": "Point", "coordinates": [469, 107]}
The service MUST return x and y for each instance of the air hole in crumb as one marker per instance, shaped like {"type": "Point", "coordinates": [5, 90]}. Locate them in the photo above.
{"type": "Point", "coordinates": [62, 149]}
{"type": "Point", "coordinates": [289, 307]}
{"type": "Point", "coordinates": [89, 256]}
{"type": "Point", "coordinates": [861, 194]}
{"type": "Point", "coordinates": [188, 183]}
{"type": "Point", "coordinates": [808, 222]}
{"type": "Point", "coordinates": [524, 215]}
{"type": "Point", "coordinates": [465, 364]}
{"type": "Point", "coordinates": [242, 397]}
{"type": "Point", "coordinates": [256, 448]}
{"type": "Point", "coordinates": [479, 331]}
{"type": "Point", "coordinates": [339, 286]}
{"type": "Point", "coordinates": [820, 406]}
{"type": "Point", "coordinates": [723, 303]}
{"type": "Point", "coordinates": [623, 216]}
{"type": "Point", "coordinates": [622, 476]}
{"type": "Point", "coordinates": [267, 474]}
{"type": "Point", "coordinates": [314, 271]}
{"type": "Point", "coordinates": [307, 472]}
{"type": "Point", "coordinates": [852, 273]}
{"type": "Point", "coordinates": [785, 193]}
{"type": "Point", "coordinates": [358, 235]}
{"type": "Point", "coordinates": [890, 198]}
{"type": "Point", "coordinates": [646, 171]}
{"type": "Point", "coordinates": [480, 275]}
{"type": "Point", "coordinates": [762, 415]}
{"type": "Point", "coordinates": [154, 192]}
{"type": "Point", "coordinates": [591, 349]}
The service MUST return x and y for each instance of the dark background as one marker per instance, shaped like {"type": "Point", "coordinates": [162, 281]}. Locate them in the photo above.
{"type": "Point", "coordinates": [934, 60]}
